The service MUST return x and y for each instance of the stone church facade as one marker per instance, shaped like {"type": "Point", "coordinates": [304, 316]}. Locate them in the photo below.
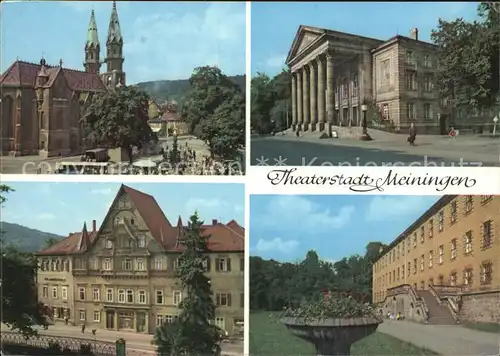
{"type": "Point", "coordinates": [41, 104]}
{"type": "Point", "coordinates": [335, 73]}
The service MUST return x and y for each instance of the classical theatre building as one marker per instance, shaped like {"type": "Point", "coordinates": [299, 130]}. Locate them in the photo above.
{"type": "Point", "coordinates": [121, 275]}
{"type": "Point", "coordinates": [41, 104]}
{"type": "Point", "coordinates": [445, 267]}
{"type": "Point", "coordinates": [335, 73]}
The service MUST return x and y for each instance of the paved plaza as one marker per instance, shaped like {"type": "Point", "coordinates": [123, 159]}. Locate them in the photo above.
{"type": "Point", "coordinates": [386, 149]}
{"type": "Point", "coordinates": [34, 164]}
{"type": "Point", "coordinates": [446, 340]}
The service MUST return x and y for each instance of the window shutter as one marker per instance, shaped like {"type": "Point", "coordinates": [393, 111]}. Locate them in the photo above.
{"type": "Point", "coordinates": [229, 264]}
{"type": "Point", "coordinates": [229, 299]}
{"type": "Point", "coordinates": [217, 264]}
{"type": "Point", "coordinates": [207, 258]}
{"type": "Point", "coordinates": [242, 264]}
{"type": "Point", "coordinates": [242, 300]}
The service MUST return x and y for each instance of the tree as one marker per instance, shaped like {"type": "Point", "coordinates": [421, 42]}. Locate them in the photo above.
{"type": "Point", "coordinates": [174, 155]}
{"type": "Point", "coordinates": [271, 99]}
{"type": "Point", "coordinates": [468, 60]}
{"type": "Point", "coordinates": [261, 103]}
{"type": "Point", "coordinates": [276, 285]}
{"type": "Point", "coordinates": [192, 333]}
{"type": "Point", "coordinates": [209, 89]}
{"type": "Point", "coordinates": [224, 131]}
{"type": "Point", "coordinates": [119, 119]}
{"type": "Point", "coordinates": [20, 308]}
{"type": "Point", "coordinates": [215, 110]}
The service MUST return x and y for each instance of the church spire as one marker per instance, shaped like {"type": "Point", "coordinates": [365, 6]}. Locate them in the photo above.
{"type": "Point", "coordinates": [114, 32]}
{"type": "Point", "coordinates": [114, 75]}
{"type": "Point", "coordinates": [92, 47]}
{"type": "Point", "coordinates": [92, 37]}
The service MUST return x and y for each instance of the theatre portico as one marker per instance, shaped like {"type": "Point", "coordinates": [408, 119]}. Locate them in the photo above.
{"type": "Point", "coordinates": [335, 75]}
{"type": "Point", "coordinates": [323, 62]}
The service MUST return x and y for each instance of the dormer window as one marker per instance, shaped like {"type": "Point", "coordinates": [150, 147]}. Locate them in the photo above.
{"type": "Point", "coordinates": [141, 241]}
{"type": "Point", "coordinates": [109, 244]}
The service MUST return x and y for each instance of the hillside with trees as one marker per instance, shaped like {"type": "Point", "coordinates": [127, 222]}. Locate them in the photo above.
{"type": "Point", "coordinates": [276, 285]}
{"type": "Point", "coordinates": [163, 90]}
{"type": "Point", "coordinates": [26, 239]}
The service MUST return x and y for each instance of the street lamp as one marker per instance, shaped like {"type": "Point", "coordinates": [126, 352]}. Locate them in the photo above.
{"type": "Point", "coordinates": [364, 132]}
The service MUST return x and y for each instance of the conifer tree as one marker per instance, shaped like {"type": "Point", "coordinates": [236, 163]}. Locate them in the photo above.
{"type": "Point", "coordinates": [193, 332]}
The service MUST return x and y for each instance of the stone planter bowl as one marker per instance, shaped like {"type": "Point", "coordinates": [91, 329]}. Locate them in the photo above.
{"type": "Point", "coordinates": [332, 337]}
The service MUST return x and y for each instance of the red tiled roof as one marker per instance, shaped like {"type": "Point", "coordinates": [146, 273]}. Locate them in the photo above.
{"type": "Point", "coordinates": [69, 245]}
{"type": "Point", "coordinates": [153, 216]}
{"type": "Point", "coordinates": [223, 237]}
{"type": "Point", "coordinates": [24, 73]}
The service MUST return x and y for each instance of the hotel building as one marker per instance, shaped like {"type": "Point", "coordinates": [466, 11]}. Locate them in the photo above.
{"type": "Point", "coordinates": [121, 275]}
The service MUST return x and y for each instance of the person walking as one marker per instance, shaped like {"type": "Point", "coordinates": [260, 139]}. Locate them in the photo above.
{"type": "Point", "coordinates": [83, 328]}
{"type": "Point", "coordinates": [413, 134]}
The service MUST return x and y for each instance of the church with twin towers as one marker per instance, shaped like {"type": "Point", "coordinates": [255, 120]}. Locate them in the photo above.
{"type": "Point", "coordinates": [114, 75]}
{"type": "Point", "coordinates": [42, 103]}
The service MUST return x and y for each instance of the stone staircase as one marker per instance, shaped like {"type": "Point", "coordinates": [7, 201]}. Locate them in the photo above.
{"type": "Point", "coordinates": [438, 314]}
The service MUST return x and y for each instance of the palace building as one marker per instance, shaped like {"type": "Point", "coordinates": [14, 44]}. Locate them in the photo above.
{"type": "Point", "coordinates": [121, 275]}
{"type": "Point", "coordinates": [444, 268]}
{"type": "Point", "coordinates": [41, 104]}
{"type": "Point", "coordinates": [335, 73]}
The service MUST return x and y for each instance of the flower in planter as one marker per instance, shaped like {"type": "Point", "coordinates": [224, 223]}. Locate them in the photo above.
{"type": "Point", "coordinates": [332, 306]}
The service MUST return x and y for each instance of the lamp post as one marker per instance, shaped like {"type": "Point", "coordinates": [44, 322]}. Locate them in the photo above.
{"type": "Point", "coordinates": [364, 133]}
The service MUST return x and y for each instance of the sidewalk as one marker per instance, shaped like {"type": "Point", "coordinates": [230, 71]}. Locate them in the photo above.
{"type": "Point", "coordinates": [137, 344]}
{"type": "Point", "coordinates": [469, 148]}
{"type": "Point", "coordinates": [446, 340]}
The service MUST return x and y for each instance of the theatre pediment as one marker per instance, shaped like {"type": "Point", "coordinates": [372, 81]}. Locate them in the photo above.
{"type": "Point", "coordinates": [305, 36]}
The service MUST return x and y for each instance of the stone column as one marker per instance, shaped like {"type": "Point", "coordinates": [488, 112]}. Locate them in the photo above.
{"type": "Point", "coordinates": [294, 101]}
{"type": "Point", "coordinates": [300, 117]}
{"type": "Point", "coordinates": [306, 97]}
{"type": "Point", "coordinates": [330, 92]}
{"type": "Point", "coordinates": [321, 94]}
{"type": "Point", "coordinates": [312, 95]}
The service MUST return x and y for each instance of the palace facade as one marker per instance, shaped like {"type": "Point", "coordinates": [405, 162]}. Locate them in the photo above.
{"type": "Point", "coordinates": [445, 266]}
{"type": "Point", "coordinates": [335, 73]}
{"type": "Point", "coordinates": [121, 275]}
{"type": "Point", "coordinates": [41, 104]}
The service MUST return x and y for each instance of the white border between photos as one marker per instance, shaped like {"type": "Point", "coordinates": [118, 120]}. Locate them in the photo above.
{"type": "Point", "coordinates": [246, 273]}
{"type": "Point", "coordinates": [98, 178]}
{"type": "Point", "coordinates": [373, 180]}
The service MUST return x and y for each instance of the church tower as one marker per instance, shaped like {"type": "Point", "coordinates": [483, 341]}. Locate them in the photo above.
{"type": "Point", "coordinates": [114, 75]}
{"type": "Point", "coordinates": [92, 63]}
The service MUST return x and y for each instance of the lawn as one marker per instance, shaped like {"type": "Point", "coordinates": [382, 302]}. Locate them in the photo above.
{"type": "Point", "coordinates": [268, 337]}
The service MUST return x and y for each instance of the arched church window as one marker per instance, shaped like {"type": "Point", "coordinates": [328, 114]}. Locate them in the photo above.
{"type": "Point", "coordinates": [7, 116]}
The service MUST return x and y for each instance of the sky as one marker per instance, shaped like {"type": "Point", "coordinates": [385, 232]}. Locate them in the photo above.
{"type": "Point", "coordinates": [274, 24]}
{"type": "Point", "coordinates": [61, 208]}
{"type": "Point", "coordinates": [162, 40]}
{"type": "Point", "coordinates": [285, 227]}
